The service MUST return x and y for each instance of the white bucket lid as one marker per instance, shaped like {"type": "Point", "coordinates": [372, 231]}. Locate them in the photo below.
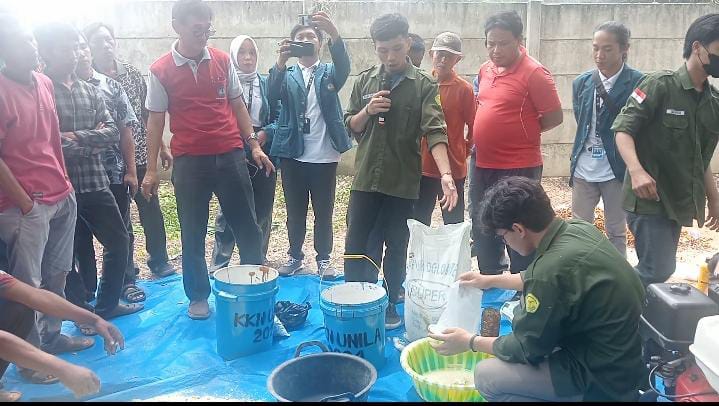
{"type": "Point", "coordinates": [353, 293]}
{"type": "Point", "coordinates": [240, 274]}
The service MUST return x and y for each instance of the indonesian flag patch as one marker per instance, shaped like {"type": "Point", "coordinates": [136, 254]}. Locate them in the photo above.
{"type": "Point", "coordinates": [638, 95]}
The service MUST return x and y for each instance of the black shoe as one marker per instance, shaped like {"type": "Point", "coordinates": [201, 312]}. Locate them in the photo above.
{"type": "Point", "coordinates": [391, 318]}
{"type": "Point", "coordinates": [164, 270]}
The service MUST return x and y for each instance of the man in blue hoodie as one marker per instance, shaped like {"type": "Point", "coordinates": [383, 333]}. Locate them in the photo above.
{"type": "Point", "coordinates": [597, 169]}
{"type": "Point", "coordinates": [310, 137]}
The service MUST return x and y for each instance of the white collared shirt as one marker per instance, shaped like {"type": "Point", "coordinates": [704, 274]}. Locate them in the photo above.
{"type": "Point", "coordinates": [157, 99]}
{"type": "Point", "coordinates": [595, 168]}
{"type": "Point", "coordinates": [318, 146]}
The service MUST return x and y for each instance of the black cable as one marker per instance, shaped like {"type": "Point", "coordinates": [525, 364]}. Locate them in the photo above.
{"type": "Point", "coordinates": [670, 397]}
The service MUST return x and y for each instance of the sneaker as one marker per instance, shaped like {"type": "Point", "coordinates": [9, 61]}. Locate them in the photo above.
{"type": "Point", "coordinates": [326, 271]}
{"type": "Point", "coordinates": [391, 318]}
{"type": "Point", "coordinates": [293, 266]}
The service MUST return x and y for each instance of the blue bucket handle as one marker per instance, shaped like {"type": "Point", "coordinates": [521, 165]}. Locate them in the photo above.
{"type": "Point", "coordinates": [343, 397]}
{"type": "Point", "coordinates": [308, 344]}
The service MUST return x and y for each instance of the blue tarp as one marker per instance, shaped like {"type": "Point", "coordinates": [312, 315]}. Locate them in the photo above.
{"type": "Point", "coordinates": [168, 354]}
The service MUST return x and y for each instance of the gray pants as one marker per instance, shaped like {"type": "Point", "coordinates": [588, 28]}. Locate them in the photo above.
{"type": "Point", "coordinates": [39, 247]}
{"type": "Point", "coordinates": [656, 239]}
{"type": "Point", "coordinates": [500, 381]}
{"type": "Point", "coordinates": [585, 197]}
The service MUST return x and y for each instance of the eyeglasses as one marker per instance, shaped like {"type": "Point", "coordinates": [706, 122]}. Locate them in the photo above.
{"type": "Point", "coordinates": [204, 32]}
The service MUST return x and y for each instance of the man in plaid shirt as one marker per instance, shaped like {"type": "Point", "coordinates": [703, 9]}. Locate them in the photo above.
{"type": "Point", "coordinates": [87, 130]}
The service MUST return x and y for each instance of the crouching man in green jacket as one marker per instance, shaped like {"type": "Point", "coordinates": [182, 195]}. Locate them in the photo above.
{"type": "Point", "coordinates": [575, 334]}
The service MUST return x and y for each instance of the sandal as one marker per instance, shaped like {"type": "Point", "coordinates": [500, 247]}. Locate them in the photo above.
{"type": "Point", "coordinates": [133, 294]}
{"type": "Point", "coordinates": [122, 310]}
{"type": "Point", "coordinates": [37, 377]}
{"type": "Point", "coordinates": [86, 329]}
{"type": "Point", "coordinates": [7, 396]}
{"type": "Point", "coordinates": [63, 344]}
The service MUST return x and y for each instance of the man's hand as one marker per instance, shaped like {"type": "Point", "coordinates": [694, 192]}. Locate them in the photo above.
{"type": "Point", "coordinates": [379, 103]}
{"type": "Point", "coordinates": [324, 23]}
{"type": "Point", "coordinates": [262, 137]}
{"type": "Point", "coordinates": [283, 53]}
{"type": "Point", "coordinates": [643, 185]}
{"type": "Point", "coordinates": [111, 335]}
{"type": "Point", "coordinates": [454, 341]}
{"type": "Point", "coordinates": [27, 206]}
{"type": "Point", "coordinates": [150, 183]}
{"type": "Point", "coordinates": [475, 280]}
{"type": "Point", "coordinates": [130, 180]}
{"type": "Point", "coordinates": [70, 135]}
{"type": "Point", "coordinates": [713, 216]}
{"type": "Point", "coordinates": [262, 161]}
{"type": "Point", "coordinates": [81, 381]}
{"type": "Point", "coordinates": [449, 200]}
{"type": "Point", "coordinates": [166, 157]}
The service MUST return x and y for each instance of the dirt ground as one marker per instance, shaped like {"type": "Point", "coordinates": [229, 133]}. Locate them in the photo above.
{"type": "Point", "coordinates": [696, 244]}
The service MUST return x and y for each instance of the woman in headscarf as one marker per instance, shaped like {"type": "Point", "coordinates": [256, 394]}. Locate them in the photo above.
{"type": "Point", "coordinates": [243, 52]}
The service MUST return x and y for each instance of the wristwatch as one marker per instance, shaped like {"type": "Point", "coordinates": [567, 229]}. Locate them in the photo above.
{"type": "Point", "coordinates": [254, 136]}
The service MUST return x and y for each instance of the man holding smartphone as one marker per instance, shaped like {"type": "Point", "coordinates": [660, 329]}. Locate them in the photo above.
{"type": "Point", "coordinates": [310, 135]}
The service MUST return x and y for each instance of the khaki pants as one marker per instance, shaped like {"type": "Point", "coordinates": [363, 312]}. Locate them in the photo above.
{"type": "Point", "coordinates": [585, 197]}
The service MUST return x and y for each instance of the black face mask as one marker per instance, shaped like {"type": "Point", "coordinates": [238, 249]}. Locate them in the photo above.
{"type": "Point", "coordinates": [711, 68]}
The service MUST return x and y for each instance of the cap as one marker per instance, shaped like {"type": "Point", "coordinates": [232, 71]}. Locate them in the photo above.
{"type": "Point", "coordinates": [448, 41]}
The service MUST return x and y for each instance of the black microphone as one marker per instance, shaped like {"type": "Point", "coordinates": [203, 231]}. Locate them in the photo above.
{"type": "Point", "coordinates": [384, 85]}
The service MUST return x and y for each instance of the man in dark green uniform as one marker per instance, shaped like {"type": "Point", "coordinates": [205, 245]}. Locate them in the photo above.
{"type": "Point", "coordinates": [575, 334]}
{"type": "Point", "coordinates": [666, 134]}
{"type": "Point", "coordinates": [393, 105]}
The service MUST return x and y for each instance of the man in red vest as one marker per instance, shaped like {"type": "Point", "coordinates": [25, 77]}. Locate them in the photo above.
{"type": "Point", "coordinates": [198, 86]}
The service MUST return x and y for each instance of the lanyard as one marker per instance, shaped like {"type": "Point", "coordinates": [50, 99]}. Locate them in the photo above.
{"type": "Point", "coordinates": [309, 86]}
{"type": "Point", "coordinates": [249, 102]}
{"type": "Point", "coordinates": [597, 106]}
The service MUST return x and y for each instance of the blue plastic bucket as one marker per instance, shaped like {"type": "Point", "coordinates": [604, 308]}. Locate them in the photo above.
{"type": "Point", "coordinates": [354, 320]}
{"type": "Point", "coordinates": [245, 303]}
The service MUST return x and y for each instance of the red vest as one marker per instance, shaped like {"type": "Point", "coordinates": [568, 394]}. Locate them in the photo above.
{"type": "Point", "coordinates": [201, 118]}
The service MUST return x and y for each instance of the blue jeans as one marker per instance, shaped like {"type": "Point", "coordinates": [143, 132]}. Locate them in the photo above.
{"type": "Point", "coordinates": [195, 179]}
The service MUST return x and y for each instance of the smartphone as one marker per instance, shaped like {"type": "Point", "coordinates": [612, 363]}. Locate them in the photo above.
{"type": "Point", "coordinates": [305, 19]}
{"type": "Point", "coordinates": [299, 49]}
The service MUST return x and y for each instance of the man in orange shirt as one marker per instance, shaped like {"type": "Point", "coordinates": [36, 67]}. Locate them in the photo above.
{"type": "Point", "coordinates": [517, 101]}
{"type": "Point", "coordinates": [457, 100]}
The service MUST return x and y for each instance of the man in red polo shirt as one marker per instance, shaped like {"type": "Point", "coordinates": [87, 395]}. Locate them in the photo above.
{"type": "Point", "coordinates": [198, 86]}
{"type": "Point", "coordinates": [517, 101]}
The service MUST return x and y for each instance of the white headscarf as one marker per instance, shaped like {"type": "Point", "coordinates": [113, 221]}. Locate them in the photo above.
{"type": "Point", "coordinates": [234, 48]}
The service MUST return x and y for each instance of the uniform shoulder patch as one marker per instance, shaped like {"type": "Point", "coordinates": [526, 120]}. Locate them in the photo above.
{"type": "Point", "coordinates": [531, 303]}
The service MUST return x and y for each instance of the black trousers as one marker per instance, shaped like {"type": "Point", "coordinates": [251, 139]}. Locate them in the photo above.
{"type": "Point", "coordinates": [303, 182]}
{"type": "Point", "coordinates": [17, 320]}
{"type": "Point", "coordinates": [99, 212]}
{"type": "Point", "coordinates": [490, 253]}
{"type": "Point", "coordinates": [264, 191]}
{"type": "Point", "coordinates": [153, 225]}
{"type": "Point", "coordinates": [362, 215]}
{"type": "Point", "coordinates": [430, 191]}
{"type": "Point", "coordinates": [195, 179]}
{"type": "Point", "coordinates": [81, 284]}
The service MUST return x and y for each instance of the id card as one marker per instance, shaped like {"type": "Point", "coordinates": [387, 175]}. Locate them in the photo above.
{"type": "Point", "coordinates": [597, 152]}
{"type": "Point", "coordinates": [306, 126]}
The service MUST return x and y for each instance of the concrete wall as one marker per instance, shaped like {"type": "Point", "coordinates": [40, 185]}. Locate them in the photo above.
{"type": "Point", "coordinates": [559, 35]}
